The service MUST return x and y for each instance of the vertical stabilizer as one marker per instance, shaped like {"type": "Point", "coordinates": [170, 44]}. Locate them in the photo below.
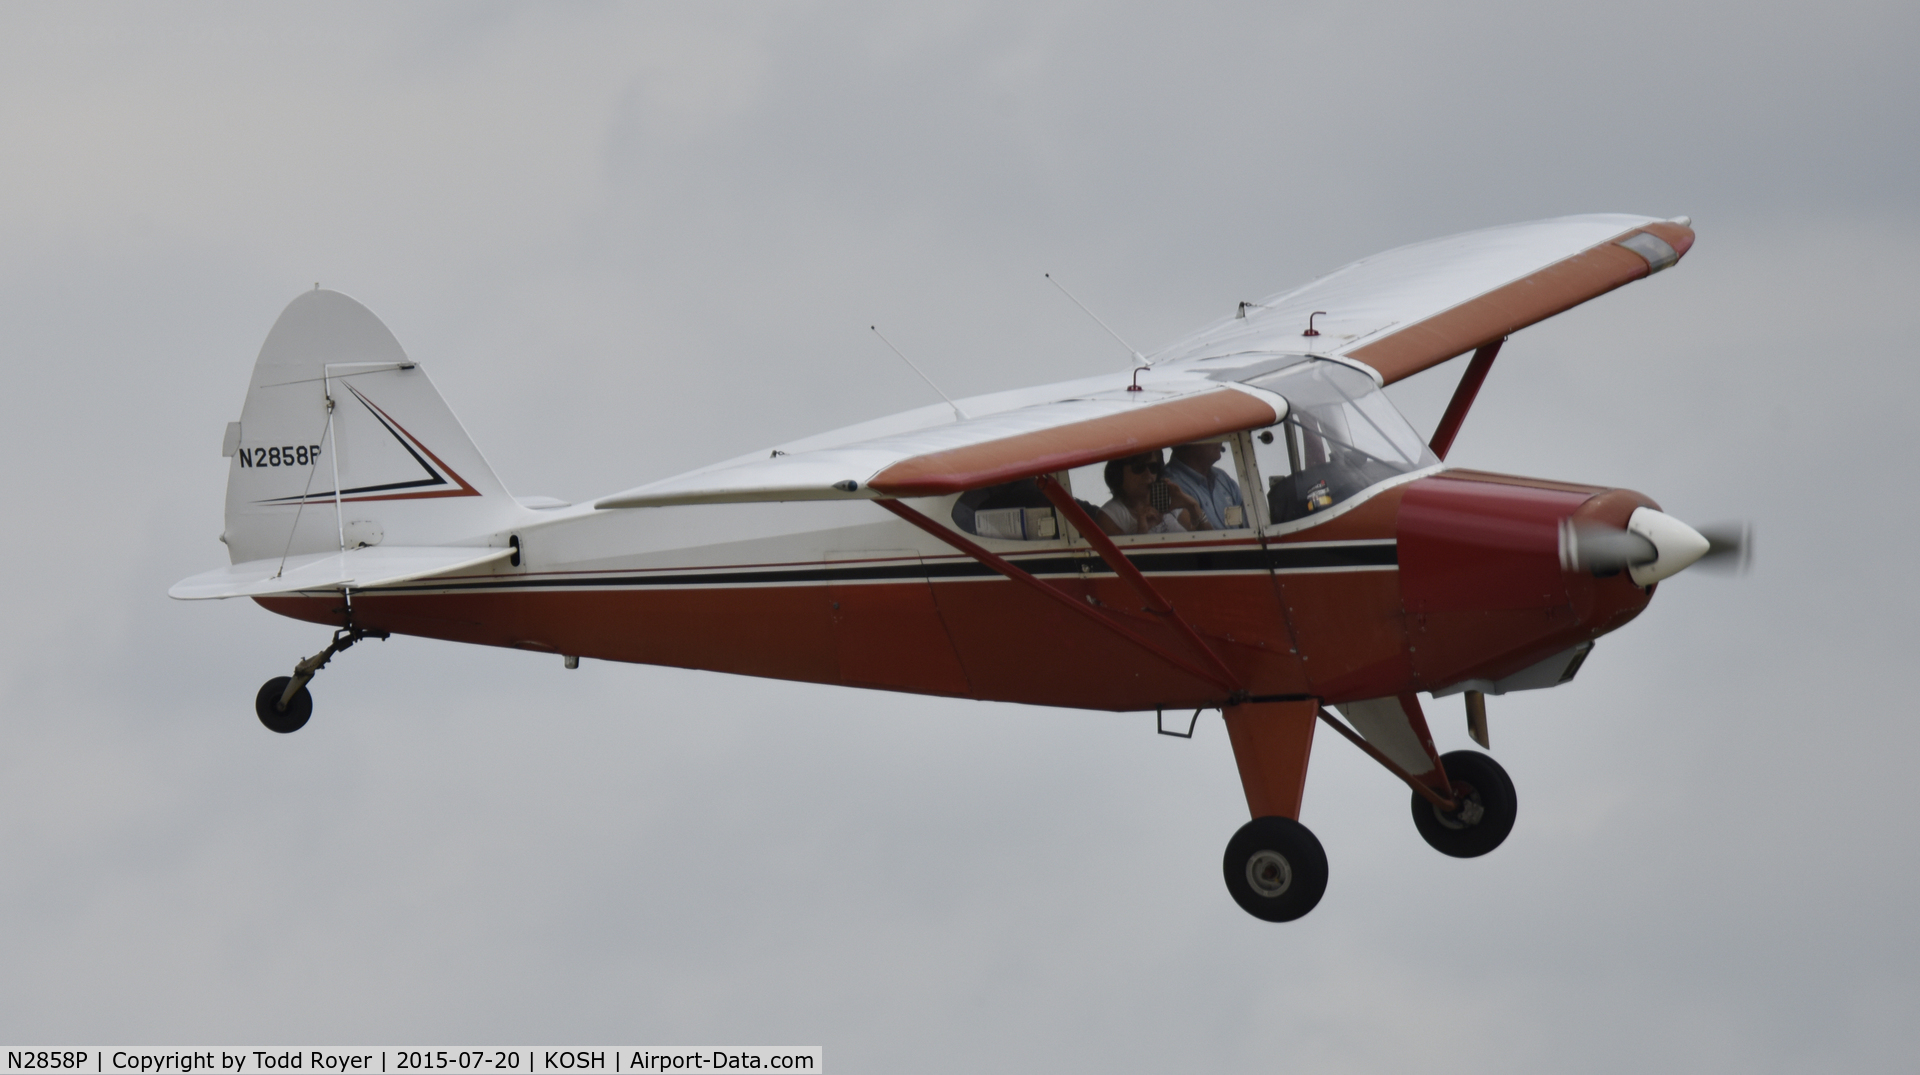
{"type": "Point", "coordinates": [387, 462]}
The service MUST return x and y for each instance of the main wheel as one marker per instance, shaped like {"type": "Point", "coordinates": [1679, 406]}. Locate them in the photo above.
{"type": "Point", "coordinates": [1275, 869]}
{"type": "Point", "coordinates": [291, 719]}
{"type": "Point", "coordinates": [1487, 807]}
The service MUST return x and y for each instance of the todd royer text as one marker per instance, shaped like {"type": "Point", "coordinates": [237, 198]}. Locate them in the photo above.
{"type": "Point", "coordinates": [253, 1060]}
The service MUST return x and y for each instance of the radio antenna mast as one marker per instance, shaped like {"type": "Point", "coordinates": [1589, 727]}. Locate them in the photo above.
{"type": "Point", "coordinates": [957, 412]}
{"type": "Point", "coordinates": [1139, 360]}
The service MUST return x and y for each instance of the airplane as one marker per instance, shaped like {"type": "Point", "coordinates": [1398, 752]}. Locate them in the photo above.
{"type": "Point", "coordinates": [1336, 568]}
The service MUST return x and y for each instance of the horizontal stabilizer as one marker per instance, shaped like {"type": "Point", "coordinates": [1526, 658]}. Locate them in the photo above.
{"type": "Point", "coordinates": [359, 568]}
{"type": "Point", "coordinates": [979, 452]}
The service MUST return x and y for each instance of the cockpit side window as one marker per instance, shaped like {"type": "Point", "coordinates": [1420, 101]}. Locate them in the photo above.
{"type": "Point", "coordinates": [1340, 437]}
{"type": "Point", "coordinates": [1189, 488]}
{"type": "Point", "coordinates": [1192, 488]}
{"type": "Point", "coordinates": [1015, 511]}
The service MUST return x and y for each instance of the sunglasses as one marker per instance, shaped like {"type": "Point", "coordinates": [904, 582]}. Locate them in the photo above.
{"type": "Point", "coordinates": [1144, 468]}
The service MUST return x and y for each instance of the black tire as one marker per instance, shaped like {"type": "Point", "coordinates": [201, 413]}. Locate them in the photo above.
{"type": "Point", "coordinates": [294, 717]}
{"type": "Point", "coordinates": [1479, 783]}
{"type": "Point", "coordinates": [1275, 869]}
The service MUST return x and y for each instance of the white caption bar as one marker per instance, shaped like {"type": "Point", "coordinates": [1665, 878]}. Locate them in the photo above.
{"type": "Point", "coordinates": [336, 1060]}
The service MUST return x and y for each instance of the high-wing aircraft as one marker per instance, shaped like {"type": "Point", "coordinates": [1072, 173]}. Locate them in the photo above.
{"type": "Point", "coordinates": [1301, 557]}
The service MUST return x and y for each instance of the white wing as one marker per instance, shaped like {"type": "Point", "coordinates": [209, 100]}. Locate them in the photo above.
{"type": "Point", "coordinates": [1408, 309]}
{"type": "Point", "coordinates": [988, 450]}
{"type": "Point", "coordinates": [1395, 313]}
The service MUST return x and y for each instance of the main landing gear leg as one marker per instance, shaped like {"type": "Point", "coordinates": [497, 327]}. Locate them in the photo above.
{"type": "Point", "coordinates": [283, 704]}
{"type": "Point", "coordinates": [1274, 867]}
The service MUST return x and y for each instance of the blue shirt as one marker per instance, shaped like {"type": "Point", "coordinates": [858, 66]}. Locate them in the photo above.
{"type": "Point", "coordinates": [1214, 490]}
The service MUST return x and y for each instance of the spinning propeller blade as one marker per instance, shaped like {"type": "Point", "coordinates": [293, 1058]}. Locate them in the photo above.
{"type": "Point", "coordinates": [1604, 550]}
{"type": "Point", "coordinates": [1729, 548]}
{"type": "Point", "coordinates": [1653, 546]}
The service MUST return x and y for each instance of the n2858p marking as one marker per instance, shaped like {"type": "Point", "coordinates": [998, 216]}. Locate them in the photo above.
{"type": "Point", "coordinates": [288, 455]}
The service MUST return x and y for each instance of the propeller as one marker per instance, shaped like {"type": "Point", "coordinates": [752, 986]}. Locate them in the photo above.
{"type": "Point", "coordinates": [1603, 550]}
{"type": "Point", "coordinates": [1655, 546]}
{"type": "Point", "coordinates": [1729, 548]}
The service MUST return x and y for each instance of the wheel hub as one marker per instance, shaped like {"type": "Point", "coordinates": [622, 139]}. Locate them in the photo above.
{"type": "Point", "coordinates": [1268, 873]}
{"type": "Point", "coordinates": [1470, 812]}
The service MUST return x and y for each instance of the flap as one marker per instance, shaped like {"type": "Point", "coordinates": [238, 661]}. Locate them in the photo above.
{"type": "Point", "coordinates": [1415, 307]}
{"type": "Point", "coordinates": [360, 568]}
{"type": "Point", "coordinates": [980, 451]}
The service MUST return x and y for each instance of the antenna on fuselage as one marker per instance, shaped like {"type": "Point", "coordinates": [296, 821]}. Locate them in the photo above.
{"type": "Point", "coordinates": [957, 412]}
{"type": "Point", "coordinates": [1139, 360]}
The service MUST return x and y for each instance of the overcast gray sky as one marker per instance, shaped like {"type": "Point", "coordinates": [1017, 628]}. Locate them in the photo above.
{"type": "Point", "coordinates": [632, 239]}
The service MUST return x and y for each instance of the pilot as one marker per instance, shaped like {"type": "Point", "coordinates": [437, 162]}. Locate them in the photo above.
{"type": "Point", "coordinates": [1131, 511]}
{"type": "Point", "coordinates": [1193, 470]}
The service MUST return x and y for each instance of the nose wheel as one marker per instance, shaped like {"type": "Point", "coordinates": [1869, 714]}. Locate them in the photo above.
{"type": "Point", "coordinates": [1275, 869]}
{"type": "Point", "coordinates": [1484, 816]}
{"type": "Point", "coordinates": [284, 704]}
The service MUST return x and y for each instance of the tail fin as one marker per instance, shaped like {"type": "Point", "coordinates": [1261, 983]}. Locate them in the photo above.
{"type": "Point", "coordinates": [338, 415]}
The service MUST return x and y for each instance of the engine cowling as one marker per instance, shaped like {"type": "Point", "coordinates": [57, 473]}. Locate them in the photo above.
{"type": "Point", "coordinates": [1485, 583]}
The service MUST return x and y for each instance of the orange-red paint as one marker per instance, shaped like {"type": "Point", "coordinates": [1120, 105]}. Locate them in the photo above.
{"type": "Point", "coordinates": [1451, 610]}
{"type": "Point", "coordinates": [1509, 308]}
{"type": "Point", "coordinates": [1271, 744]}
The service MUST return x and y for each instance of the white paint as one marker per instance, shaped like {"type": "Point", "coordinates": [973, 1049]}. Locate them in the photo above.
{"type": "Point", "coordinates": [1400, 287]}
{"type": "Point", "coordinates": [359, 568]}
{"type": "Point", "coordinates": [1678, 545]}
{"type": "Point", "coordinates": [288, 510]}
{"type": "Point", "coordinates": [357, 533]}
{"type": "Point", "coordinates": [1384, 724]}
{"type": "Point", "coordinates": [1555, 670]}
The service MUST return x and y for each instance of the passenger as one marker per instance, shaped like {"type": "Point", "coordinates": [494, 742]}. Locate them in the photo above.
{"type": "Point", "coordinates": [1131, 510]}
{"type": "Point", "coordinates": [1193, 470]}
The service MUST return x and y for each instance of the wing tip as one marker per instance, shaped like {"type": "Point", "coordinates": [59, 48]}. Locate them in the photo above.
{"type": "Point", "coordinates": [1676, 233]}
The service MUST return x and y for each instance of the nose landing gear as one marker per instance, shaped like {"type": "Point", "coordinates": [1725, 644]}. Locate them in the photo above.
{"type": "Point", "coordinates": [284, 705]}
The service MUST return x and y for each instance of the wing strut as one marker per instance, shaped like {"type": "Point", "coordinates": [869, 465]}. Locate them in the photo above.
{"type": "Point", "coordinates": [1123, 567]}
{"type": "Point", "coordinates": [1463, 396]}
{"type": "Point", "coordinates": [1019, 575]}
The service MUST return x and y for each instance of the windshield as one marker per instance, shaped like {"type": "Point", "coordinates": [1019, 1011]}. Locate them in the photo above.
{"type": "Point", "coordinates": [1340, 437]}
